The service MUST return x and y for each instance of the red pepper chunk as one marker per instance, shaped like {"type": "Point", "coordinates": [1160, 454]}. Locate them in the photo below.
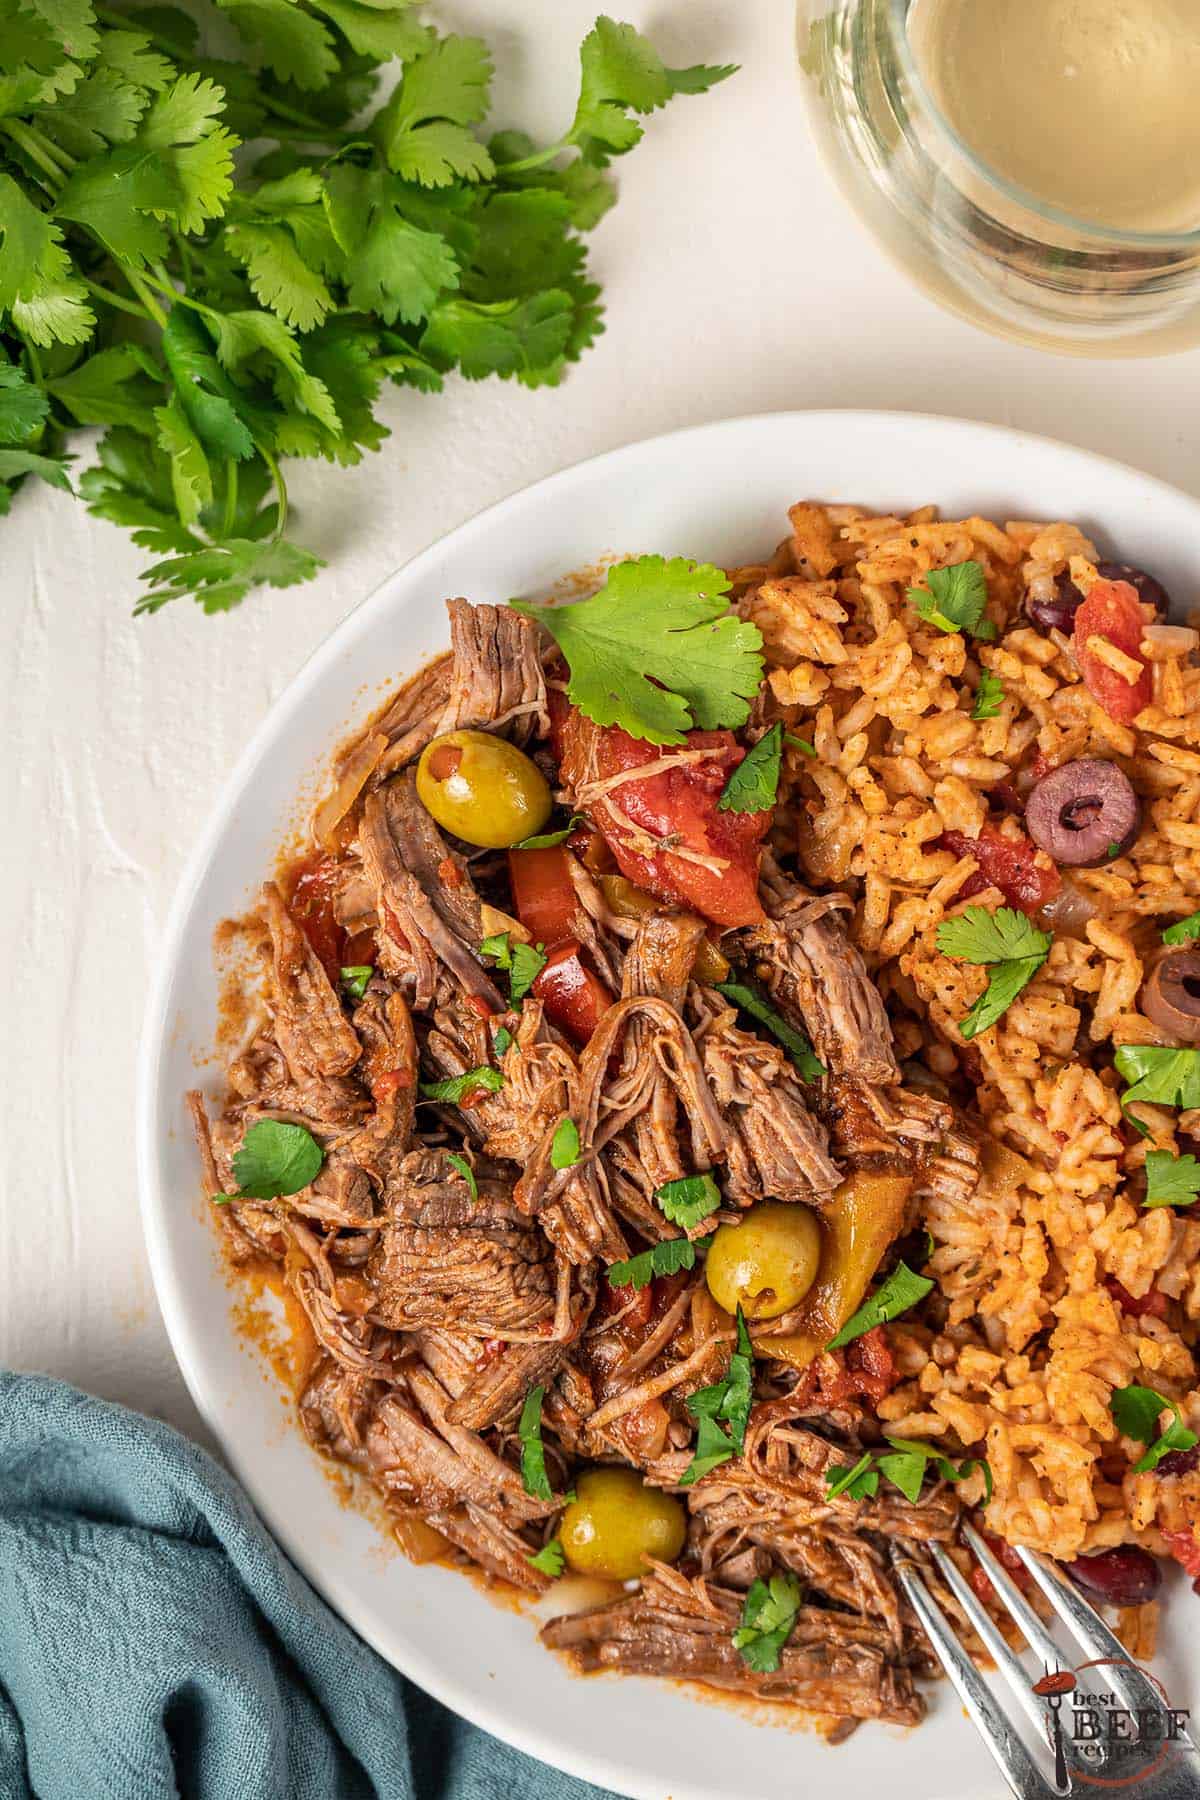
{"type": "Point", "coordinates": [1112, 611]}
{"type": "Point", "coordinates": [708, 860]}
{"type": "Point", "coordinates": [575, 999]}
{"type": "Point", "coordinates": [543, 893]}
{"type": "Point", "coordinates": [1012, 865]}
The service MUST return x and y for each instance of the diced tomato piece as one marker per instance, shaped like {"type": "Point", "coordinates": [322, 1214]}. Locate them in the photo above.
{"type": "Point", "coordinates": [574, 997]}
{"type": "Point", "coordinates": [871, 1365]}
{"type": "Point", "coordinates": [1186, 1551]}
{"type": "Point", "coordinates": [1112, 611]}
{"type": "Point", "coordinates": [543, 893]}
{"type": "Point", "coordinates": [1152, 1304]}
{"type": "Point", "coordinates": [314, 887]}
{"type": "Point", "coordinates": [677, 807]}
{"type": "Point", "coordinates": [1024, 875]}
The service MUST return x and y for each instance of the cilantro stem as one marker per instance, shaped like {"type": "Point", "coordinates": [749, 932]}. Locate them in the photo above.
{"type": "Point", "coordinates": [35, 361]}
{"type": "Point", "coordinates": [535, 160]}
{"type": "Point", "coordinates": [316, 130]}
{"type": "Point", "coordinates": [231, 488]}
{"type": "Point", "coordinates": [145, 296]}
{"type": "Point", "coordinates": [280, 489]}
{"type": "Point", "coordinates": [111, 299]}
{"type": "Point", "coordinates": [38, 149]}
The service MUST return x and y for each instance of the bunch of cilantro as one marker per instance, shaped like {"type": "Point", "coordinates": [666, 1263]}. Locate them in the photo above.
{"type": "Point", "coordinates": [217, 242]}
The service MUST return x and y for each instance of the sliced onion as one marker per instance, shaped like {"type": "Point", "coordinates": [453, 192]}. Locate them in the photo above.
{"type": "Point", "coordinates": [1069, 911]}
{"type": "Point", "coordinates": [575, 1594]}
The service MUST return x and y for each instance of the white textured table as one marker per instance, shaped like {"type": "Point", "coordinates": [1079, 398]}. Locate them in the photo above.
{"type": "Point", "coordinates": [735, 280]}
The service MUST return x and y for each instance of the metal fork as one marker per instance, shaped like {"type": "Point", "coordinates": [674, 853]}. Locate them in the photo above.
{"type": "Point", "coordinates": [1177, 1775]}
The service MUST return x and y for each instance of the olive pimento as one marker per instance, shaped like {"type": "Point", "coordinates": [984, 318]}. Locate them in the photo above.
{"type": "Point", "coordinates": [1171, 995]}
{"type": "Point", "coordinates": [483, 789]}
{"type": "Point", "coordinates": [1083, 814]}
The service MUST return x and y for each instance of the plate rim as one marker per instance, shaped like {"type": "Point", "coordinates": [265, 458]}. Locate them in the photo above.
{"type": "Point", "coordinates": [154, 1203]}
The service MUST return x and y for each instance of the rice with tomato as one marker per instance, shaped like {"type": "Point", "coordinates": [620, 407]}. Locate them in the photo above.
{"type": "Point", "coordinates": [1059, 1283]}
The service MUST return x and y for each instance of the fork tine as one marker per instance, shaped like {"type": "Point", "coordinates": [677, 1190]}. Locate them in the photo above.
{"type": "Point", "coordinates": [1014, 1601]}
{"type": "Point", "coordinates": [1081, 1617]}
{"type": "Point", "coordinates": [1007, 1750]}
{"type": "Point", "coordinates": [1002, 1654]}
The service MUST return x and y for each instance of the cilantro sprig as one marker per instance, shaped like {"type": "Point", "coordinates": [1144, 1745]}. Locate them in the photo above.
{"type": "Point", "coordinates": [1171, 1180]}
{"type": "Point", "coordinates": [902, 1289]}
{"type": "Point", "coordinates": [904, 1464]}
{"type": "Point", "coordinates": [989, 696]}
{"type": "Point", "coordinates": [1136, 1412]}
{"type": "Point", "coordinates": [550, 1559]}
{"type": "Point", "coordinates": [355, 978]}
{"type": "Point", "coordinates": [216, 313]}
{"type": "Point", "coordinates": [1183, 931]}
{"type": "Point", "coordinates": [273, 1160]}
{"type": "Point", "coordinates": [455, 1088]}
{"type": "Point", "coordinates": [729, 1400]}
{"type": "Point", "coordinates": [954, 599]}
{"type": "Point", "coordinates": [768, 1620]}
{"type": "Point", "coordinates": [534, 1478]}
{"type": "Point", "coordinates": [550, 840]}
{"type": "Point", "coordinates": [524, 962]}
{"type": "Point", "coordinates": [465, 1170]}
{"type": "Point", "coordinates": [688, 1201]}
{"type": "Point", "coordinates": [1005, 941]}
{"type": "Point", "coordinates": [564, 1145]}
{"type": "Point", "coordinates": [670, 617]}
{"type": "Point", "coordinates": [667, 1258]}
{"type": "Point", "coordinates": [1156, 1074]}
{"type": "Point", "coordinates": [754, 784]}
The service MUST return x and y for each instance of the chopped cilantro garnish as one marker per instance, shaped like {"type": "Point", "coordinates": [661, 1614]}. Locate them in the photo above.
{"type": "Point", "coordinates": [666, 1258]}
{"type": "Point", "coordinates": [533, 1456]}
{"type": "Point", "coordinates": [901, 1290]}
{"type": "Point", "coordinates": [564, 1145]}
{"type": "Point", "coordinates": [799, 743]}
{"type": "Point", "coordinates": [1007, 941]}
{"type": "Point", "coordinates": [730, 1400]}
{"type": "Point", "coordinates": [955, 600]}
{"type": "Point", "coordinates": [749, 999]}
{"type": "Point", "coordinates": [670, 617]}
{"type": "Point", "coordinates": [859, 1483]}
{"type": "Point", "coordinates": [502, 1040]}
{"type": "Point", "coordinates": [549, 1559]}
{"type": "Point", "coordinates": [524, 962]}
{"type": "Point", "coordinates": [1136, 1411]}
{"type": "Point", "coordinates": [989, 696]}
{"type": "Point", "coordinates": [1171, 1180]}
{"type": "Point", "coordinates": [753, 785]}
{"type": "Point", "coordinates": [273, 1160]}
{"type": "Point", "coordinates": [1160, 1076]}
{"type": "Point", "coordinates": [550, 840]}
{"type": "Point", "coordinates": [355, 979]}
{"type": "Point", "coordinates": [1183, 930]}
{"type": "Point", "coordinates": [768, 1619]}
{"type": "Point", "coordinates": [465, 1170]}
{"type": "Point", "coordinates": [456, 1087]}
{"type": "Point", "coordinates": [687, 1201]}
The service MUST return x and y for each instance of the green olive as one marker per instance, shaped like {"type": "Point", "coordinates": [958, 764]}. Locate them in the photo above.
{"type": "Point", "coordinates": [767, 1262]}
{"type": "Point", "coordinates": [483, 789]}
{"type": "Point", "coordinates": [616, 1521]}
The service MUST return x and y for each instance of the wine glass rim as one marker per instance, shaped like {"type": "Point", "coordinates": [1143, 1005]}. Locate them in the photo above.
{"type": "Point", "coordinates": [1056, 215]}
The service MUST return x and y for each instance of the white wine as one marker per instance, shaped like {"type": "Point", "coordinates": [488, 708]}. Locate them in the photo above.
{"type": "Point", "coordinates": [1091, 106]}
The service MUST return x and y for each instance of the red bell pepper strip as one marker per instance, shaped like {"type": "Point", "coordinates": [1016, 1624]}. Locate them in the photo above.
{"type": "Point", "coordinates": [574, 997]}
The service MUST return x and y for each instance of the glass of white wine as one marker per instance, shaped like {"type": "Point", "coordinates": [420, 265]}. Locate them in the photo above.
{"type": "Point", "coordinates": [1033, 164]}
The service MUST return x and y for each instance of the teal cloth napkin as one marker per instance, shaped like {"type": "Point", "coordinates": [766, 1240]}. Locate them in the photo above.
{"type": "Point", "coordinates": [155, 1641]}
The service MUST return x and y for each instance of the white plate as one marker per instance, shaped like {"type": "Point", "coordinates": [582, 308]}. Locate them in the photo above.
{"type": "Point", "coordinates": [719, 493]}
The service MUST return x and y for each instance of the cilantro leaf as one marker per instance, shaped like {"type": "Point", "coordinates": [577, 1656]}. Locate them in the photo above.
{"type": "Point", "coordinates": [907, 1462]}
{"type": "Point", "coordinates": [686, 1201]}
{"type": "Point", "coordinates": [524, 962]}
{"type": "Point", "coordinates": [1158, 1075]}
{"type": "Point", "coordinates": [502, 1040]}
{"type": "Point", "coordinates": [1136, 1411]}
{"type": "Point", "coordinates": [860, 1482]}
{"type": "Point", "coordinates": [423, 127]}
{"type": "Point", "coordinates": [550, 1559]}
{"type": "Point", "coordinates": [954, 599]}
{"type": "Point", "coordinates": [550, 840]}
{"type": "Point", "coordinates": [730, 1400]}
{"type": "Point", "coordinates": [750, 1000]}
{"type": "Point", "coordinates": [276, 1159]}
{"type": "Point", "coordinates": [902, 1290]}
{"type": "Point", "coordinates": [465, 1170]}
{"type": "Point", "coordinates": [1171, 1180]}
{"type": "Point", "coordinates": [669, 616]}
{"type": "Point", "coordinates": [456, 1087]}
{"type": "Point", "coordinates": [754, 783]}
{"type": "Point", "coordinates": [1005, 940]}
{"type": "Point", "coordinates": [23, 407]}
{"type": "Point", "coordinates": [801, 744]}
{"type": "Point", "coordinates": [1183, 930]}
{"type": "Point", "coordinates": [533, 1456]}
{"type": "Point", "coordinates": [622, 74]}
{"type": "Point", "coordinates": [14, 463]}
{"type": "Point", "coordinates": [989, 696]}
{"type": "Point", "coordinates": [396, 268]}
{"type": "Point", "coordinates": [768, 1619]}
{"type": "Point", "coordinates": [666, 1258]}
{"type": "Point", "coordinates": [118, 386]}
{"type": "Point", "coordinates": [355, 977]}
{"type": "Point", "coordinates": [564, 1146]}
